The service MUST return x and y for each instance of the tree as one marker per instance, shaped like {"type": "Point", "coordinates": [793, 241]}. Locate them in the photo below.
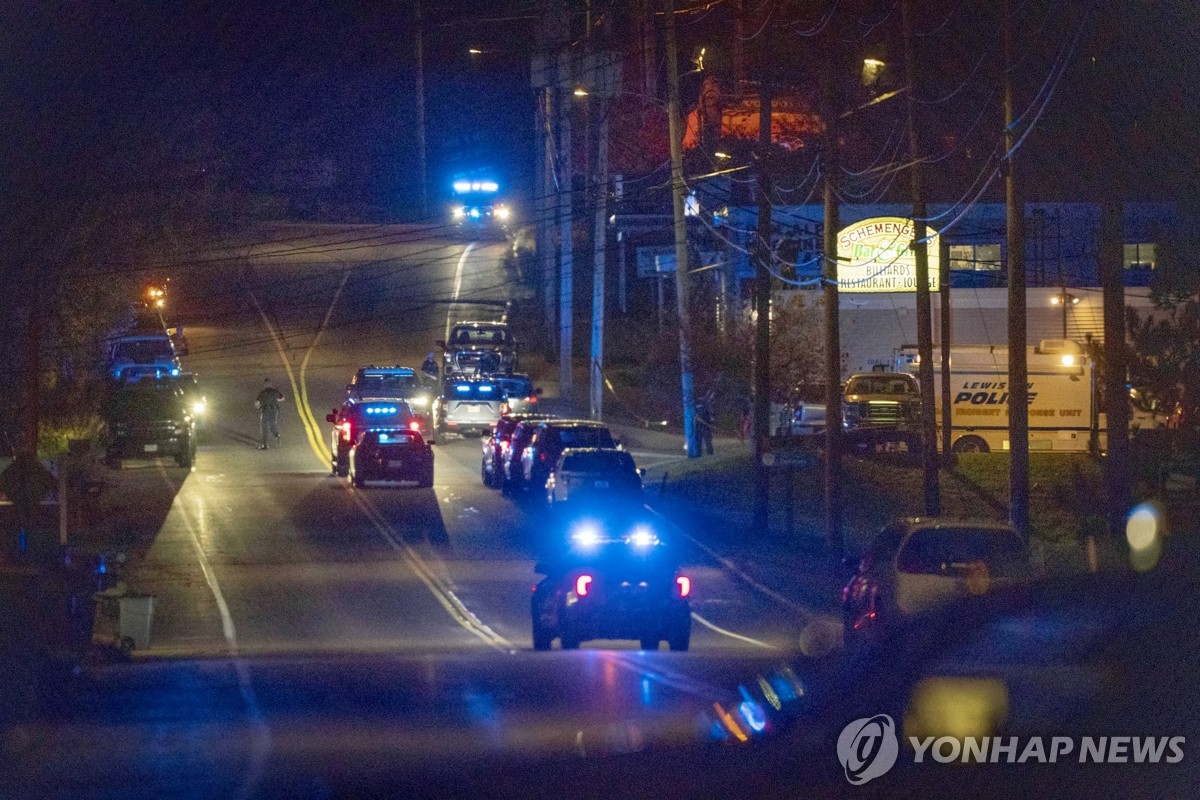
{"type": "Point", "coordinates": [1165, 343]}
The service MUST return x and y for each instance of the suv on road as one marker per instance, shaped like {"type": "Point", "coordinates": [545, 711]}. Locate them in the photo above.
{"type": "Point", "coordinates": [469, 407]}
{"type": "Point", "coordinates": [479, 348]}
{"type": "Point", "coordinates": [391, 455]}
{"type": "Point", "coordinates": [522, 394]}
{"type": "Point", "coordinates": [589, 474]}
{"type": "Point", "coordinates": [614, 579]}
{"type": "Point", "coordinates": [549, 441]}
{"type": "Point", "coordinates": [354, 418]}
{"type": "Point", "coordinates": [149, 419]}
{"type": "Point", "coordinates": [496, 446]}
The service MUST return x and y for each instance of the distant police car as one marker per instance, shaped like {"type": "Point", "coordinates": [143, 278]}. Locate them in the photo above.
{"type": "Point", "coordinates": [615, 579]}
{"type": "Point", "coordinates": [355, 418]}
{"type": "Point", "coordinates": [475, 209]}
{"type": "Point", "coordinates": [379, 383]}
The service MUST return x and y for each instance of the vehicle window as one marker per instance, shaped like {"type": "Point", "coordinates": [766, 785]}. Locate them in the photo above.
{"type": "Point", "coordinates": [471, 336]}
{"type": "Point", "coordinates": [939, 551]}
{"type": "Point", "coordinates": [517, 387]}
{"type": "Point", "coordinates": [143, 352]}
{"type": "Point", "coordinates": [396, 385]}
{"type": "Point", "coordinates": [586, 437]}
{"type": "Point", "coordinates": [603, 461]}
{"type": "Point", "coordinates": [884, 545]}
{"type": "Point", "coordinates": [880, 384]}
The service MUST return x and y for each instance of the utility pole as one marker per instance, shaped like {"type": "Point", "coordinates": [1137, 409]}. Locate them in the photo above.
{"type": "Point", "coordinates": [675, 130]}
{"type": "Point", "coordinates": [947, 328]}
{"type": "Point", "coordinates": [1018, 366]}
{"type": "Point", "coordinates": [920, 247]}
{"type": "Point", "coordinates": [422, 176]}
{"type": "Point", "coordinates": [762, 322]}
{"type": "Point", "coordinates": [600, 242]}
{"type": "Point", "coordinates": [831, 475]}
{"type": "Point", "coordinates": [566, 275]}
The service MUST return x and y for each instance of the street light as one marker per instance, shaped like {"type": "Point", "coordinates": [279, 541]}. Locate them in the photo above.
{"type": "Point", "coordinates": [1066, 300]}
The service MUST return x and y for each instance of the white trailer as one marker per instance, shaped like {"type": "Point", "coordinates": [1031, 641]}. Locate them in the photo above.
{"type": "Point", "coordinates": [1062, 396]}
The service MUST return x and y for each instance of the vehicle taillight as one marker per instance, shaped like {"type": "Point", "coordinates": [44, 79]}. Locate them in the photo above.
{"type": "Point", "coordinates": [504, 445]}
{"type": "Point", "coordinates": [414, 426]}
{"type": "Point", "coordinates": [531, 399]}
{"type": "Point", "coordinates": [503, 408]}
{"type": "Point", "coordinates": [345, 426]}
{"type": "Point", "coordinates": [685, 585]}
{"type": "Point", "coordinates": [582, 584]}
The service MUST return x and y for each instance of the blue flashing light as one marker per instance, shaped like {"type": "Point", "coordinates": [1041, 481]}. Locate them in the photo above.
{"type": "Point", "coordinates": [643, 537]}
{"type": "Point", "coordinates": [174, 372]}
{"type": "Point", "coordinates": [754, 716]}
{"type": "Point", "coordinates": [382, 409]}
{"type": "Point", "coordinates": [586, 534]}
{"type": "Point", "coordinates": [462, 388]}
{"type": "Point", "coordinates": [464, 186]}
{"type": "Point", "coordinates": [485, 389]}
{"type": "Point", "coordinates": [473, 213]}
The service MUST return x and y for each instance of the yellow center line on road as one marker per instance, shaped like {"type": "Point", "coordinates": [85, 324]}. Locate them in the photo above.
{"type": "Point", "coordinates": [439, 588]}
{"type": "Point", "coordinates": [314, 438]}
{"type": "Point", "coordinates": [458, 276]}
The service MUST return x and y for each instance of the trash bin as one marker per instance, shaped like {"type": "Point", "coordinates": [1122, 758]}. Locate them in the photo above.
{"type": "Point", "coordinates": [137, 619]}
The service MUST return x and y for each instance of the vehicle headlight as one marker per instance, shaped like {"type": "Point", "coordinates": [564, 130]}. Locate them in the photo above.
{"type": "Point", "coordinates": [198, 406]}
{"type": "Point", "coordinates": [420, 401]}
{"type": "Point", "coordinates": [502, 213]}
{"type": "Point", "coordinates": [459, 212]}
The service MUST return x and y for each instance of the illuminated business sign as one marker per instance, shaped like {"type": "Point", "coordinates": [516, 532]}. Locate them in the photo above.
{"type": "Point", "coordinates": [876, 255]}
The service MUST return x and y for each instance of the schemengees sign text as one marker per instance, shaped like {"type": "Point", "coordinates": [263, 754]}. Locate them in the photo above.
{"type": "Point", "coordinates": [876, 255]}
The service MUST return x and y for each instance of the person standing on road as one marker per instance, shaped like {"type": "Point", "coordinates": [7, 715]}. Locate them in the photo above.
{"type": "Point", "coordinates": [267, 402]}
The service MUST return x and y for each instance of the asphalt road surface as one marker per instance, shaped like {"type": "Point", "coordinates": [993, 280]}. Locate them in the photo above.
{"type": "Point", "coordinates": [262, 560]}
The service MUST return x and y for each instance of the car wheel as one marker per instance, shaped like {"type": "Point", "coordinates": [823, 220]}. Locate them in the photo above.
{"type": "Point", "coordinates": [649, 643]}
{"type": "Point", "coordinates": [542, 638]}
{"type": "Point", "coordinates": [970, 444]}
{"type": "Point", "coordinates": [681, 637]}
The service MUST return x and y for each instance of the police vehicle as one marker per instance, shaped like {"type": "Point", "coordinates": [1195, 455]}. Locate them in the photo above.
{"type": "Point", "coordinates": [476, 210]}
{"type": "Point", "coordinates": [357, 417]}
{"type": "Point", "coordinates": [391, 455]}
{"type": "Point", "coordinates": [614, 579]}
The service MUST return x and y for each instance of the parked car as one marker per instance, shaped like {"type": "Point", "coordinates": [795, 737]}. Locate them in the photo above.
{"type": "Point", "coordinates": [551, 438]}
{"type": "Point", "coordinates": [391, 455]}
{"type": "Point", "coordinates": [149, 419]}
{"type": "Point", "coordinates": [479, 348]}
{"type": "Point", "coordinates": [595, 474]}
{"type": "Point", "coordinates": [512, 469]}
{"type": "Point", "coordinates": [914, 564]}
{"type": "Point", "coordinates": [469, 406]}
{"type": "Point", "coordinates": [146, 355]}
{"type": "Point", "coordinates": [496, 446]}
{"type": "Point", "coordinates": [881, 409]}
{"type": "Point", "coordinates": [521, 393]}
